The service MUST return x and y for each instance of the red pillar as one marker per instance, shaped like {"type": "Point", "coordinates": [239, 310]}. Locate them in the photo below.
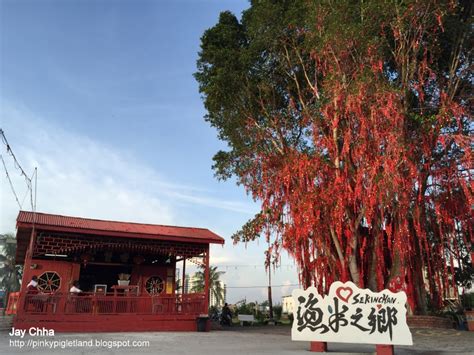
{"type": "Point", "coordinates": [183, 283]}
{"type": "Point", "coordinates": [26, 266]}
{"type": "Point", "coordinates": [318, 346]}
{"type": "Point", "coordinates": [206, 283]}
{"type": "Point", "coordinates": [384, 349]}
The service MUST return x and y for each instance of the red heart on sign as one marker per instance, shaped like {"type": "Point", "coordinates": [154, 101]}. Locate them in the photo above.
{"type": "Point", "coordinates": [344, 293]}
{"type": "Point", "coordinates": [379, 306]}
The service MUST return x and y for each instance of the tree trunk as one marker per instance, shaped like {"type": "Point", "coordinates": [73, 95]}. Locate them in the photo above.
{"type": "Point", "coordinates": [372, 272]}
{"type": "Point", "coordinates": [396, 267]}
{"type": "Point", "coordinates": [353, 267]}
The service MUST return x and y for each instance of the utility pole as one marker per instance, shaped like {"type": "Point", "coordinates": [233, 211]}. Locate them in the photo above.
{"type": "Point", "coordinates": [270, 304]}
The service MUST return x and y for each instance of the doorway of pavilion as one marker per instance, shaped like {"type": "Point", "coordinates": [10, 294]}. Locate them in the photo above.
{"type": "Point", "coordinates": [104, 274]}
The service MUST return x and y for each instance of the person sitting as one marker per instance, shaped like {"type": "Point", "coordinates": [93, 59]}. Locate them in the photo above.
{"type": "Point", "coordinates": [75, 288]}
{"type": "Point", "coordinates": [32, 287]}
{"type": "Point", "coordinates": [80, 304]}
{"type": "Point", "coordinates": [34, 302]}
{"type": "Point", "coordinates": [226, 316]}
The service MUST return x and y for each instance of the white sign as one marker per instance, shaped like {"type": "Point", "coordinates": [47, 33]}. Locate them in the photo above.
{"type": "Point", "coordinates": [349, 314]}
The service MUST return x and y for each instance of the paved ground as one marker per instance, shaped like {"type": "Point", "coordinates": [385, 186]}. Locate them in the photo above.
{"type": "Point", "coordinates": [237, 340]}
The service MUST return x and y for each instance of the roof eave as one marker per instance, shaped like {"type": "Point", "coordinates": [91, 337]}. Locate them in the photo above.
{"type": "Point", "coordinates": [44, 227]}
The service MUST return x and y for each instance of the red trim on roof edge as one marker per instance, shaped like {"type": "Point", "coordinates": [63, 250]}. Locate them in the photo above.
{"type": "Point", "coordinates": [45, 221]}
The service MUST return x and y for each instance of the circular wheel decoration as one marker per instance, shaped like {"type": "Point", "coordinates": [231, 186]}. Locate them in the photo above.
{"type": "Point", "coordinates": [154, 285]}
{"type": "Point", "coordinates": [49, 282]}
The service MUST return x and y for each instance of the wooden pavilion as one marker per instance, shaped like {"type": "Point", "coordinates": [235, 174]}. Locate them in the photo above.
{"type": "Point", "coordinates": [60, 250]}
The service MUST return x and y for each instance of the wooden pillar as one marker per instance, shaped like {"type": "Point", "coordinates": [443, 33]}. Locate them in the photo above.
{"type": "Point", "coordinates": [318, 346]}
{"type": "Point", "coordinates": [206, 279]}
{"type": "Point", "coordinates": [26, 268]}
{"type": "Point", "coordinates": [384, 349]}
{"type": "Point", "coordinates": [183, 283]}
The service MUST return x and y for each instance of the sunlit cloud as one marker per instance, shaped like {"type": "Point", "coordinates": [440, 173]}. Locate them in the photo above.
{"type": "Point", "coordinates": [78, 176]}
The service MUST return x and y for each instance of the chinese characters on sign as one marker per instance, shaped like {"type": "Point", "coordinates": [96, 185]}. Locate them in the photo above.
{"type": "Point", "coordinates": [349, 314]}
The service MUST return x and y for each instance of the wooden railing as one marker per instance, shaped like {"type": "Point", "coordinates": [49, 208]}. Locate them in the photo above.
{"type": "Point", "coordinates": [100, 304]}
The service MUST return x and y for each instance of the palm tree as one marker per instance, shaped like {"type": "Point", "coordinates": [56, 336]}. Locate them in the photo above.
{"type": "Point", "coordinates": [10, 273]}
{"type": "Point", "coordinates": [215, 284]}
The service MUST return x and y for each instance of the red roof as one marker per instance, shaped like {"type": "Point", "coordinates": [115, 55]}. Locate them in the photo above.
{"type": "Point", "coordinates": [45, 221]}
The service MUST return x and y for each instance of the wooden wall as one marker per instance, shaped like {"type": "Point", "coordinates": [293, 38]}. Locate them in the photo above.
{"type": "Point", "coordinates": [67, 271]}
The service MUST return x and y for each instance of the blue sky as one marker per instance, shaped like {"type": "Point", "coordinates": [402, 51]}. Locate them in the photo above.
{"type": "Point", "coordinates": [99, 95]}
{"type": "Point", "coordinates": [115, 71]}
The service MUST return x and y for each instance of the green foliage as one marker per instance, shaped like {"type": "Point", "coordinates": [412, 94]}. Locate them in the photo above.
{"type": "Point", "coordinates": [453, 311]}
{"type": "Point", "coordinates": [256, 75]}
{"type": "Point", "coordinates": [277, 311]}
{"type": "Point", "coordinates": [215, 286]}
{"type": "Point", "coordinates": [213, 310]}
{"type": "Point", "coordinates": [260, 316]}
{"type": "Point", "coordinates": [464, 274]}
{"type": "Point", "coordinates": [10, 273]}
{"type": "Point", "coordinates": [343, 113]}
{"type": "Point", "coordinates": [240, 68]}
{"type": "Point", "coordinates": [245, 308]}
{"type": "Point", "coordinates": [291, 317]}
{"type": "Point", "coordinates": [468, 301]}
{"type": "Point", "coordinates": [250, 230]}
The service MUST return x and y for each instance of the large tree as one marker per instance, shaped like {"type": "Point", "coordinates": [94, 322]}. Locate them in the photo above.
{"type": "Point", "coordinates": [349, 121]}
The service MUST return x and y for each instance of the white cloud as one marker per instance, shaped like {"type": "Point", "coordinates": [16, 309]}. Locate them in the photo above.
{"type": "Point", "coordinates": [220, 260]}
{"type": "Point", "coordinates": [213, 202]}
{"type": "Point", "coordinates": [81, 177]}
{"type": "Point", "coordinates": [287, 289]}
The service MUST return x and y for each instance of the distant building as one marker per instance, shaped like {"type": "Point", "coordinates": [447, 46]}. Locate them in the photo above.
{"type": "Point", "coordinates": [189, 282]}
{"type": "Point", "coordinates": [287, 304]}
{"type": "Point", "coordinates": [222, 300]}
{"type": "Point", "coordinates": [188, 285]}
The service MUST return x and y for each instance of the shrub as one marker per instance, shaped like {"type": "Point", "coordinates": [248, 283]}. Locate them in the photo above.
{"type": "Point", "coordinates": [468, 301]}
{"type": "Point", "coordinates": [245, 308]}
{"type": "Point", "coordinates": [259, 316]}
{"type": "Point", "coordinates": [291, 317]}
{"type": "Point", "coordinates": [277, 311]}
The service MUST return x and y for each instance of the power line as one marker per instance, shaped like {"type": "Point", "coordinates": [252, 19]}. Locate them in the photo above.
{"type": "Point", "coordinates": [17, 165]}
{"type": "Point", "coordinates": [291, 285]}
{"type": "Point", "coordinates": [254, 265]}
{"type": "Point", "coordinates": [10, 181]}
{"type": "Point", "coordinates": [24, 197]}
